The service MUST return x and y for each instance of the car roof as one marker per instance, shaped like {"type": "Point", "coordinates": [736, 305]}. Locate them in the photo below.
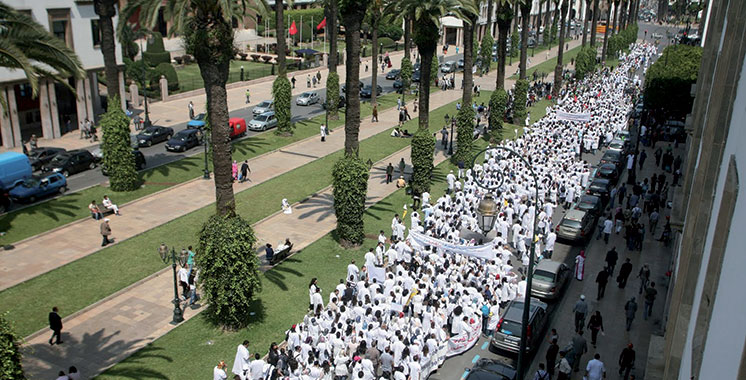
{"type": "Point", "coordinates": [614, 153]}
{"type": "Point", "coordinates": [587, 198]}
{"type": "Point", "coordinates": [607, 165]}
{"type": "Point", "coordinates": [78, 151]}
{"type": "Point", "coordinates": [268, 113]}
{"type": "Point", "coordinates": [548, 265]}
{"type": "Point", "coordinates": [514, 312]}
{"type": "Point", "coordinates": [187, 132]}
{"type": "Point", "coordinates": [575, 214]}
{"type": "Point", "coordinates": [600, 180]}
{"type": "Point", "coordinates": [307, 93]}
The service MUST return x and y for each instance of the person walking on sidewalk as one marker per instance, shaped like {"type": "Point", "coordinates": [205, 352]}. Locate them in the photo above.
{"type": "Point", "coordinates": [322, 132]}
{"type": "Point", "coordinates": [308, 80]}
{"type": "Point", "coordinates": [624, 272]}
{"type": "Point", "coordinates": [650, 294]}
{"type": "Point", "coordinates": [402, 166]}
{"type": "Point", "coordinates": [579, 347]}
{"type": "Point", "coordinates": [293, 81]}
{"type": "Point", "coordinates": [105, 232]}
{"type": "Point", "coordinates": [630, 309]}
{"type": "Point", "coordinates": [626, 361]}
{"type": "Point", "coordinates": [581, 310]}
{"type": "Point", "coordinates": [374, 118]}
{"type": "Point", "coordinates": [563, 367]}
{"type": "Point", "coordinates": [607, 228]}
{"type": "Point", "coordinates": [389, 173]}
{"type": "Point", "coordinates": [596, 324]}
{"type": "Point", "coordinates": [611, 259]}
{"type": "Point", "coordinates": [444, 137]}
{"type": "Point", "coordinates": [248, 96]}
{"type": "Point", "coordinates": [551, 357]}
{"type": "Point", "coordinates": [191, 109]}
{"type": "Point", "coordinates": [55, 324]}
{"type": "Point", "coordinates": [595, 369]}
{"type": "Point", "coordinates": [602, 278]}
{"type": "Point", "coordinates": [541, 373]}
{"type": "Point", "coordinates": [644, 276]}
{"type": "Point", "coordinates": [245, 170]}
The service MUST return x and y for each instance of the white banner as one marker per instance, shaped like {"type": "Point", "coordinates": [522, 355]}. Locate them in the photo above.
{"type": "Point", "coordinates": [479, 251]}
{"type": "Point", "coordinates": [377, 273]}
{"type": "Point", "coordinates": [463, 342]}
{"type": "Point", "coordinates": [562, 115]}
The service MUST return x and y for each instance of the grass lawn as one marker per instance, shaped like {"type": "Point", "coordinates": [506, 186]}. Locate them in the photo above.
{"type": "Point", "coordinates": [85, 281]}
{"type": "Point", "coordinates": [53, 213]}
{"type": "Point", "coordinates": [548, 66]}
{"type": "Point", "coordinates": [190, 78]}
{"type": "Point", "coordinates": [539, 49]}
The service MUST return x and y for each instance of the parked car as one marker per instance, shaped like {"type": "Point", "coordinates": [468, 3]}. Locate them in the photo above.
{"type": "Point", "coordinates": [196, 123]}
{"type": "Point", "coordinates": [600, 187]}
{"type": "Point", "coordinates": [460, 63]}
{"type": "Point", "coordinates": [393, 74]}
{"type": "Point", "coordinates": [307, 98]}
{"type": "Point", "coordinates": [4, 201]}
{"type": "Point", "coordinates": [507, 335]}
{"type": "Point", "coordinates": [576, 225]}
{"type": "Point", "coordinates": [344, 86]}
{"type": "Point", "coordinates": [608, 171]}
{"type": "Point", "coordinates": [416, 76]}
{"type": "Point", "coordinates": [612, 157]}
{"type": "Point", "coordinates": [591, 204]}
{"type": "Point", "coordinates": [263, 122]}
{"type": "Point", "coordinates": [550, 278]}
{"type": "Point", "coordinates": [37, 187]}
{"type": "Point", "coordinates": [71, 162]}
{"type": "Point", "coordinates": [265, 106]}
{"type": "Point", "coordinates": [154, 135]}
{"type": "Point", "coordinates": [184, 140]}
{"type": "Point", "coordinates": [367, 91]}
{"type": "Point", "coordinates": [620, 146]}
{"type": "Point", "coordinates": [139, 162]}
{"type": "Point", "coordinates": [398, 84]}
{"type": "Point", "coordinates": [340, 104]}
{"type": "Point", "coordinates": [448, 67]}
{"type": "Point", "coordinates": [238, 127]}
{"type": "Point", "coordinates": [622, 135]}
{"type": "Point", "coordinates": [14, 168]}
{"type": "Point", "coordinates": [38, 157]}
{"type": "Point", "coordinates": [492, 369]}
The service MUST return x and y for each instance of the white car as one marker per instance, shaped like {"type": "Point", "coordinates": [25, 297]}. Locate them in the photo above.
{"type": "Point", "coordinates": [265, 106]}
{"type": "Point", "coordinates": [307, 98]}
{"type": "Point", "coordinates": [263, 122]}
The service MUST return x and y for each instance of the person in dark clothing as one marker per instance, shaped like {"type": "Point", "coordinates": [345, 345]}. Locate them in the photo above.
{"type": "Point", "coordinates": [389, 173]}
{"type": "Point", "coordinates": [642, 158]}
{"type": "Point", "coordinates": [624, 273]}
{"type": "Point", "coordinates": [274, 354]}
{"type": "Point", "coordinates": [602, 279]}
{"type": "Point", "coordinates": [245, 170]}
{"type": "Point", "coordinates": [595, 324]}
{"type": "Point", "coordinates": [55, 324]}
{"type": "Point", "coordinates": [270, 253]}
{"type": "Point", "coordinates": [551, 357]}
{"type": "Point", "coordinates": [626, 361]}
{"type": "Point", "coordinates": [611, 259]}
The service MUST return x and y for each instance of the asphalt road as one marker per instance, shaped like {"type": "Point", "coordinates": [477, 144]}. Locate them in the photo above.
{"type": "Point", "coordinates": [457, 367]}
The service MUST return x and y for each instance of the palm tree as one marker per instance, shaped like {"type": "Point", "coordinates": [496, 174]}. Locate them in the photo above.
{"type": "Point", "coordinates": [586, 16]}
{"type": "Point", "coordinates": [470, 22]}
{"type": "Point", "coordinates": [490, 9]}
{"type": "Point", "coordinates": [28, 46]}
{"type": "Point", "coordinates": [353, 12]}
{"type": "Point", "coordinates": [525, 6]}
{"type": "Point", "coordinates": [606, 33]}
{"type": "Point", "coordinates": [616, 16]}
{"type": "Point", "coordinates": [560, 49]}
{"type": "Point", "coordinates": [594, 23]}
{"type": "Point", "coordinates": [208, 35]}
{"type": "Point", "coordinates": [280, 35]}
{"type": "Point", "coordinates": [105, 10]}
{"type": "Point", "coordinates": [504, 17]}
{"type": "Point", "coordinates": [330, 11]}
{"type": "Point", "coordinates": [376, 6]}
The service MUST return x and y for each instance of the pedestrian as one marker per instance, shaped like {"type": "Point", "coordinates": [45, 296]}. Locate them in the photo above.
{"type": "Point", "coordinates": [191, 110]}
{"type": "Point", "coordinates": [563, 367]}
{"type": "Point", "coordinates": [611, 259]}
{"type": "Point", "coordinates": [402, 166]}
{"type": "Point", "coordinates": [595, 324]}
{"type": "Point", "coordinates": [248, 96]}
{"type": "Point", "coordinates": [32, 142]}
{"type": "Point", "coordinates": [643, 156]}
{"type": "Point", "coordinates": [624, 273]}
{"type": "Point", "coordinates": [245, 170]}
{"type": "Point", "coordinates": [415, 105]}
{"type": "Point", "coordinates": [607, 228]}
{"type": "Point", "coordinates": [318, 76]}
{"type": "Point", "coordinates": [644, 276]}
{"type": "Point", "coordinates": [241, 362]}
{"type": "Point", "coordinates": [595, 369]}
{"type": "Point", "coordinates": [308, 80]}
{"type": "Point", "coordinates": [218, 373]}
{"type": "Point", "coordinates": [650, 294]}
{"type": "Point", "coordinates": [580, 266]}
{"type": "Point", "coordinates": [375, 113]}
{"type": "Point", "coordinates": [444, 137]}
{"type": "Point", "coordinates": [73, 374]}
{"type": "Point", "coordinates": [313, 80]}
{"type": "Point", "coordinates": [602, 278]}
{"type": "Point", "coordinates": [95, 211]}
{"type": "Point", "coordinates": [551, 357]}
{"type": "Point", "coordinates": [630, 310]}
{"type": "Point", "coordinates": [322, 132]}
{"type": "Point", "coordinates": [105, 232]}
{"type": "Point", "coordinates": [579, 347]}
{"type": "Point", "coordinates": [653, 220]}
{"type": "Point", "coordinates": [626, 361]}
{"type": "Point", "coordinates": [581, 310]}
{"type": "Point", "coordinates": [292, 80]}
{"type": "Point", "coordinates": [61, 376]}
{"type": "Point", "coordinates": [183, 275]}
{"type": "Point", "coordinates": [541, 373]}
{"type": "Point", "coordinates": [398, 103]}
{"type": "Point", "coordinates": [389, 173]}
{"type": "Point", "coordinates": [55, 324]}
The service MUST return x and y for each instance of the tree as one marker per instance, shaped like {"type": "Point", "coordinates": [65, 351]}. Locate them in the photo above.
{"type": "Point", "coordinates": [668, 81]}
{"type": "Point", "coordinates": [406, 77]}
{"type": "Point", "coordinates": [10, 351]}
{"type": "Point", "coordinates": [281, 93]}
{"type": "Point", "coordinates": [498, 106]}
{"type": "Point", "coordinates": [208, 36]}
{"type": "Point", "coordinates": [470, 21]}
{"type": "Point", "coordinates": [616, 16]}
{"type": "Point", "coordinates": [515, 40]}
{"type": "Point", "coordinates": [525, 18]}
{"type": "Point", "coordinates": [585, 62]}
{"type": "Point", "coordinates": [465, 136]}
{"type": "Point", "coordinates": [26, 45]}
{"type": "Point", "coordinates": [520, 96]}
{"type": "Point", "coordinates": [606, 32]}
{"type": "Point", "coordinates": [129, 46]}
{"type": "Point", "coordinates": [118, 160]}
{"type": "Point", "coordinates": [594, 24]}
{"type": "Point", "coordinates": [375, 18]}
{"type": "Point", "coordinates": [105, 10]}
{"type": "Point", "coordinates": [281, 88]}
{"type": "Point", "coordinates": [504, 16]}
{"type": "Point", "coordinates": [229, 269]}
{"type": "Point", "coordinates": [485, 52]}
{"type": "Point", "coordinates": [332, 80]}
{"type": "Point", "coordinates": [558, 70]}
{"type": "Point", "coordinates": [586, 16]}
{"type": "Point", "coordinates": [488, 32]}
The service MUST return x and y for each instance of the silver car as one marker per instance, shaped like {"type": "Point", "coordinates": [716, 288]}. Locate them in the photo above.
{"type": "Point", "coordinates": [550, 278]}
{"type": "Point", "coordinates": [576, 226]}
{"type": "Point", "coordinates": [265, 106]}
{"type": "Point", "coordinates": [263, 122]}
{"type": "Point", "coordinates": [619, 145]}
{"type": "Point", "coordinates": [448, 67]}
{"type": "Point", "coordinates": [307, 98]}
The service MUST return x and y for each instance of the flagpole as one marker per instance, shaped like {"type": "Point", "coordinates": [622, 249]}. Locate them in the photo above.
{"type": "Point", "coordinates": [300, 39]}
{"type": "Point", "coordinates": [311, 32]}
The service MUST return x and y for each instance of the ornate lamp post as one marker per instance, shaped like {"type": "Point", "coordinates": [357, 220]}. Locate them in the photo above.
{"type": "Point", "coordinates": [147, 122]}
{"type": "Point", "coordinates": [487, 214]}
{"type": "Point", "coordinates": [450, 120]}
{"type": "Point", "coordinates": [181, 258]}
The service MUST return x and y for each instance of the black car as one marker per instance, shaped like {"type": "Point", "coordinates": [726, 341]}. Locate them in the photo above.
{"type": "Point", "coordinates": [600, 187]}
{"type": "Point", "coordinates": [71, 162]}
{"type": "Point", "coordinates": [612, 157]}
{"type": "Point", "coordinates": [153, 135]}
{"type": "Point", "coordinates": [344, 86]}
{"type": "Point", "coordinates": [39, 157]}
{"type": "Point", "coordinates": [367, 91]}
{"type": "Point", "coordinates": [608, 171]}
{"type": "Point", "coordinates": [492, 369]}
{"type": "Point", "coordinates": [591, 204]}
{"type": "Point", "coordinates": [139, 162]}
{"type": "Point", "coordinates": [393, 74]}
{"type": "Point", "coordinates": [416, 76]}
{"type": "Point", "coordinates": [340, 104]}
{"type": "Point", "coordinates": [184, 140]}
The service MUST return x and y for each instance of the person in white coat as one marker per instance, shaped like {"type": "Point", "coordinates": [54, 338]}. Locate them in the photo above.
{"type": "Point", "coordinates": [242, 359]}
{"type": "Point", "coordinates": [322, 132]}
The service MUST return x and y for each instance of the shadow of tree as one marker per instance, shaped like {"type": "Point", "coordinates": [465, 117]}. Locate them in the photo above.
{"type": "Point", "coordinates": [182, 163]}
{"type": "Point", "coordinates": [247, 146]}
{"type": "Point", "coordinates": [67, 206]}
{"type": "Point", "coordinates": [376, 209]}
{"type": "Point", "coordinates": [278, 274]}
{"type": "Point", "coordinates": [256, 313]}
{"type": "Point", "coordinates": [321, 205]}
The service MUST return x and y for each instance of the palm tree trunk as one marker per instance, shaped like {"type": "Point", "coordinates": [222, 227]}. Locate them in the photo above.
{"type": "Point", "coordinates": [490, 10]}
{"type": "Point", "coordinates": [623, 15]}
{"type": "Point", "coordinates": [547, 15]}
{"type": "Point", "coordinates": [503, 28]}
{"type": "Point", "coordinates": [468, 59]}
{"type": "Point", "coordinates": [105, 10]}
{"type": "Point", "coordinates": [560, 51]}
{"type": "Point", "coordinates": [585, 21]}
{"type": "Point", "coordinates": [374, 19]}
{"type": "Point", "coordinates": [352, 22]}
{"type": "Point", "coordinates": [426, 61]}
{"type": "Point", "coordinates": [407, 37]}
{"type": "Point", "coordinates": [526, 18]}
{"type": "Point", "coordinates": [594, 23]}
{"type": "Point", "coordinates": [631, 11]}
{"type": "Point", "coordinates": [555, 20]}
{"type": "Point", "coordinates": [538, 23]}
{"type": "Point", "coordinates": [331, 25]}
{"type": "Point", "coordinates": [616, 16]}
{"type": "Point", "coordinates": [515, 16]}
{"type": "Point", "coordinates": [606, 33]}
{"type": "Point", "coordinates": [280, 33]}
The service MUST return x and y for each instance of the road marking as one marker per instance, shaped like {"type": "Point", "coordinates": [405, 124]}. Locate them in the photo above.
{"type": "Point", "coordinates": [484, 346]}
{"type": "Point", "coordinates": [476, 357]}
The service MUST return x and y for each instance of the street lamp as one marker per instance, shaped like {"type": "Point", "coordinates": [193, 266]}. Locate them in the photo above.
{"type": "Point", "coordinates": [487, 214]}
{"type": "Point", "coordinates": [147, 122]}
{"type": "Point", "coordinates": [448, 119]}
{"type": "Point", "coordinates": [167, 256]}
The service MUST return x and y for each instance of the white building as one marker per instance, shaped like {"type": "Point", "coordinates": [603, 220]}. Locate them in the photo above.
{"type": "Point", "coordinates": [56, 110]}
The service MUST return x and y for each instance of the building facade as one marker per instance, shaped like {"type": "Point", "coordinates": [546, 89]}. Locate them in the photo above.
{"type": "Point", "coordinates": [56, 110]}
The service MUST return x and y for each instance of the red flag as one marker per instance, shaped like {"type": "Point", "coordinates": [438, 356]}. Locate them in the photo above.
{"type": "Point", "coordinates": [293, 30]}
{"type": "Point", "coordinates": [321, 25]}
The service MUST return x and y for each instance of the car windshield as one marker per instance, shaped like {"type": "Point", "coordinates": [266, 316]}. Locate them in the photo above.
{"type": "Point", "coordinates": [616, 145]}
{"type": "Point", "coordinates": [181, 136]}
{"type": "Point", "coordinates": [60, 159]}
{"type": "Point", "coordinates": [305, 95]}
{"type": "Point", "coordinates": [585, 205]}
{"type": "Point", "coordinates": [571, 223]}
{"type": "Point", "coordinates": [264, 104]}
{"type": "Point", "coordinates": [543, 275]}
{"type": "Point", "coordinates": [31, 182]}
{"type": "Point", "coordinates": [149, 132]}
{"type": "Point", "coordinates": [510, 328]}
{"type": "Point", "coordinates": [261, 118]}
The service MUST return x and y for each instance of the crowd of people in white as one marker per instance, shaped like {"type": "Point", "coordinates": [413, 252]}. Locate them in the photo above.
{"type": "Point", "coordinates": [410, 306]}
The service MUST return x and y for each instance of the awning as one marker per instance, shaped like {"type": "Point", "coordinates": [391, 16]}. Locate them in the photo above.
{"type": "Point", "coordinates": [306, 52]}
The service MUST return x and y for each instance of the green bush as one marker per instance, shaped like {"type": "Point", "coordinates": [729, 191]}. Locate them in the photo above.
{"type": "Point", "coordinates": [519, 101]}
{"type": "Point", "coordinates": [168, 71]}
{"type": "Point", "coordinates": [554, 31]}
{"type": "Point", "coordinates": [546, 35]}
{"type": "Point", "coordinates": [485, 52]}
{"type": "Point", "coordinates": [155, 53]}
{"type": "Point", "coordinates": [406, 74]}
{"type": "Point", "coordinates": [386, 42]}
{"type": "Point", "coordinates": [585, 62]}
{"type": "Point", "coordinates": [465, 137]}
{"type": "Point", "coordinates": [498, 106]}
{"type": "Point", "coordinates": [423, 147]}
{"type": "Point", "coordinates": [515, 39]}
{"type": "Point", "coordinates": [10, 351]}
{"type": "Point", "coordinates": [434, 71]}
{"type": "Point", "coordinates": [118, 160]}
{"type": "Point", "coordinates": [281, 93]}
{"type": "Point", "coordinates": [332, 89]}
{"type": "Point", "coordinates": [350, 189]}
{"type": "Point", "coordinates": [228, 270]}
{"type": "Point", "coordinates": [390, 30]}
{"type": "Point", "coordinates": [668, 81]}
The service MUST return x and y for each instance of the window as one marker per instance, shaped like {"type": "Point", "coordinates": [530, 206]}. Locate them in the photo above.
{"type": "Point", "coordinates": [95, 33]}
{"type": "Point", "coordinates": [59, 24]}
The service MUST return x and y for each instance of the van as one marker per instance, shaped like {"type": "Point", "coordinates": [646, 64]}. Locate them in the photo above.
{"type": "Point", "coordinates": [14, 168]}
{"type": "Point", "coordinates": [507, 335]}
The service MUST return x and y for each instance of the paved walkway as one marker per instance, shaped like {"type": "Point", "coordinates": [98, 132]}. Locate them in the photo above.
{"type": "Point", "coordinates": [107, 332]}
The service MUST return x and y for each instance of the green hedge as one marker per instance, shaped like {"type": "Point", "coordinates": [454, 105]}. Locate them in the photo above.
{"type": "Point", "coordinates": [585, 62]}
{"type": "Point", "coordinates": [485, 52]}
{"type": "Point", "coordinates": [10, 351]}
{"type": "Point", "coordinates": [350, 188]}
{"type": "Point", "coordinates": [519, 101]}
{"type": "Point", "coordinates": [281, 93]}
{"type": "Point", "coordinates": [465, 137]}
{"type": "Point", "coordinates": [423, 148]}
{"type": "Point", "coordinates": [668, 81]}
{"type": "Point", "coordinates": [498, 106]}
{"type": "Point", "coordinates": [117, 150]}
{"type": "Point", "coordinates": [155, 53]}
{"type": "Point", "coordinates": [515, 39]}
{"type": "Point", "coordinates": [332, 87]}
{"type": "Point", "coordinates": [168, 71]}
{"type": "Point", "coordinates": [386, 42]}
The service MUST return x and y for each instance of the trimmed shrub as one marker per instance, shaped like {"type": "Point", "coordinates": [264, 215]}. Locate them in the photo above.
{"type": "Point", "coordinates": [546, 35]}
{"type": "Point", "coordinates": [281, 93]}
{"type": "Point", "coordinates": [668, 81]}
{"type": "Point", "coordinates": [229, 270]}
{"type": "Point", "coordinates": [406, 74]}
{"type": "Point", "coordinates": [423, 147]}
{"type": "Point", "coordinates": [386, 42]}
{"type": "Point", "coordinates": [519, 101]}
{"type": "Point", "coordinates": [391, 30]}
{"type": "Point", "coordinates": [350, 181]}
{"type": "Point", "coordinates": [118, 160]}
{"type": "Point", "coordinates": [10, 351]}
{"type": "Point", "coordinates": [485, 52]}
{"type": "Point", "coordinates": [155, 53]}
{"type": "Point", "coordinates": [498, 106]}
{"type": "Point", "coordinates": [332, 87]}
{"type": "Point", "coordinates": [515, 40]}
{"type": "Point", "coordinates": [168, 71]}
{"type": "Point", "coordinates": [465, 137]}
{"type": "Point", "coordinates": [585, 62]}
